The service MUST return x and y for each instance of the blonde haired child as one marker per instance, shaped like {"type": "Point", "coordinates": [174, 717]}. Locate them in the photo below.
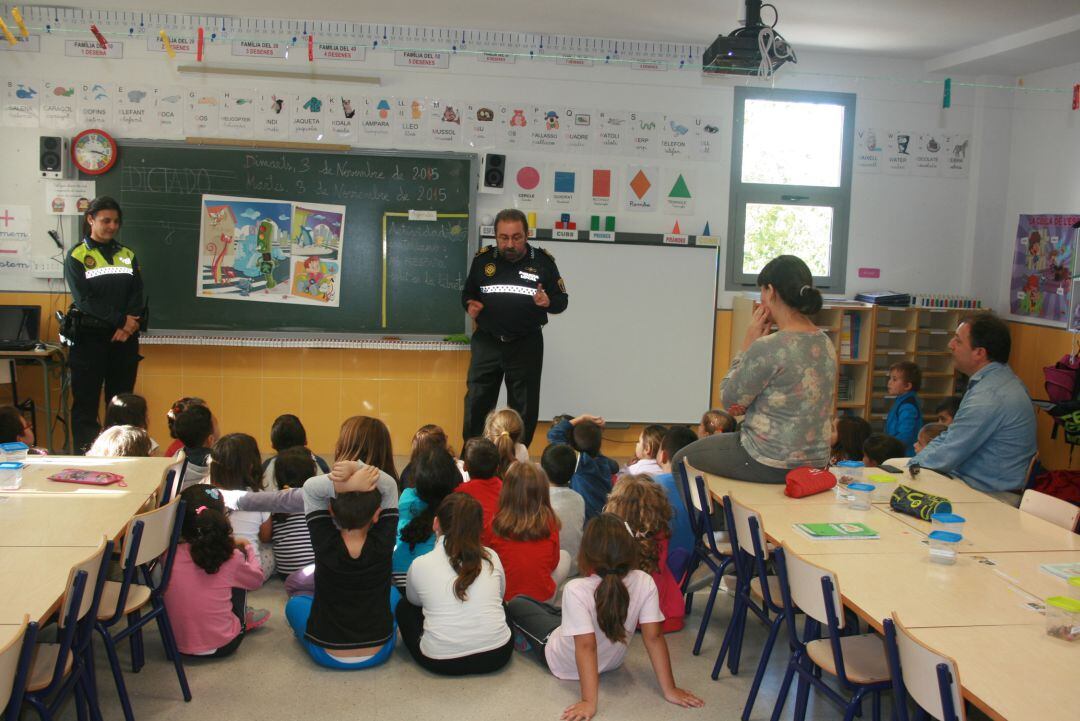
{"type": "Point", "coordinates": [505, 428]}
{"type": "Point", "coordinates": [644, 505]}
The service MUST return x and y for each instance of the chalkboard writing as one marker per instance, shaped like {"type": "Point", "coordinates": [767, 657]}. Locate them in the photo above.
{"type": "Point", "coordinates": [398, 276]}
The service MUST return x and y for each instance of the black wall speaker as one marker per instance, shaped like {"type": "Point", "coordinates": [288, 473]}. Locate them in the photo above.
{"type": "Point", "coordinates": [51, 158]}
{"type": "Point", "coordinates": [494, 170]}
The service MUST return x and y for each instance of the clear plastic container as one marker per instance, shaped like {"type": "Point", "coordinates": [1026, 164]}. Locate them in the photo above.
{"type": "Point", "coordinates": [947, 522]}
{"type": "Point", "coordinates": [14, 451]}
{"type": "Point", "coordinates": [861, 496]}
{"type": "Point", "coordinates": [10, 475]}
{"type": "Point", "coordinates": [1063, 618]}
{"type": "Point", "coordinates": [943, 546]}
{"type": "Point", "coordinates": [846, 472]}
{"type": "Point", "coordinates": [884, 485]}
{"type": "Point", "coordinates": [1074, 587]}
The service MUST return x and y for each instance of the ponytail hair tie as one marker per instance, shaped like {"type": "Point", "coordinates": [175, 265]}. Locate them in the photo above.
{"type": "Point", "coordinates": [199, 510]}
{"type": "Point", "coordinates": [802, 291]}
{"type": "Point", "coordinates": [504, 433]}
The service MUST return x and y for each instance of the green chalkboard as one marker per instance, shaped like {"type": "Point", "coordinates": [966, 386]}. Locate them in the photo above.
{"type": "Point", "coordinates": [398, 276]}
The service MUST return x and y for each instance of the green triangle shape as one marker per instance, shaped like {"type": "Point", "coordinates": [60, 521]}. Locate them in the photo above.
{"type": "Point", "coordinates": [679, 190]}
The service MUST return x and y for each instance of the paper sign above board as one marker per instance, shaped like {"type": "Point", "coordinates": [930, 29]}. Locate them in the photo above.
{"type": "Point", "coordinates": [68, 197]}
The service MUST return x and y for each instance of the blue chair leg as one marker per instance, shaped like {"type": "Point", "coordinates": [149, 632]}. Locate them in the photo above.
{"type": "Point", "coordinates": [80, 701]}
{"type": "Point", "coordinates": [766, 652]}
{"type": "Point", "coordinates": [877, 705]}
{"type": "Point", "coordinates": [169, 640]}
{"type": "Point", "coordinates": [38, 706]}
{"type": "Point", "coordinates": [802, 695]}
{"type": "Point", "coordinates": [707, 615]}
{"type": "Point", "coordinates": [117, 672]}
{"type": "Point", "coordinates": [853, 706]}
{"type": "Point", "coordinates": [137, 659]}
{"type": "Point", "coordinates": [785, 687]}
{"type": "Point", "coordinates": [737, 641]}
{"type": "Point", "coordinates": [732, 636]}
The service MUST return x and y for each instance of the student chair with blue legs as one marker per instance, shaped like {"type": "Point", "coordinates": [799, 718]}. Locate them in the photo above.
{"type": "Point", "coordinates": [930, 678]}
{"type": "Point", "coordinates": [15, 659]}
{"type": "Point", "coordinates": [857, 661]}
{"type": "Point", "coordinates": [706, 546]}
{"type": "Point", "coordinates": [756, 591]}
{"type": "Point", "coordinates": [149, 551]}
{"type": "Point", "coordinates": [170, 488]}
{"type": "Point", "coordinates": [61, 669]}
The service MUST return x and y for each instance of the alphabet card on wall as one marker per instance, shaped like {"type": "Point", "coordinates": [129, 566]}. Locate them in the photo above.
{"type": "Point", "coordinates": [710, 138]}
{"type": "Point", "coordinates": [516, 121]}
{"type": "Point", "coordinates": [377, 126]}
{"type": "Point", "coordinates": [136, 116]}
{"type": "Point", "coordinates": [546, 130]}
{"type": "Point", "coordinates": [957, 159]}
{"type": "Point", "coordinates": [644, 132]}
{"type": "Point", "coordinates": [21, 103]}
{"type": "Point", "coordinates": [411, 121]}
{"type": "Point", "coordinates": [202, 112]}
{"type": "Point", "coordinates": [614, 132]}
{"type": "Point", "coordinates": [237, 118]}
{"type": "Point", "coordinates": [444, 121]}
{"type": "Point", "coordinates": [579, 129]}
{"type": "Point", "coordinates": [478, 125]}
{"type": "Point", "coordinates": [169, 108]}
{"type": "Point", "coordinates": [639, 191]}
{"type": "Point", "coordinates": [868, 150]}
{"type": "Point", "coordinates": [680, 187]}
{"type": "Point", "coordinates": [678, 137]}
{"type": "Point", "coordinates": [57, 105]}
{"type": "Point", "coordinates": [899, 149]}
{"type": "Point", "coordinates": [95, 107]}
{"type": "Point", "coordinates": [307, 117]}
{"type": "Point", "coordinates": [928, 152]}
{"type": "Point", "coordinates": [341, 121]}
{"type": "Point", "coordinates": [273, 115]}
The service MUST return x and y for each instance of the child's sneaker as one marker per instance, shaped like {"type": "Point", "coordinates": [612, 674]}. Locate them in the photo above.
{"type": "Point", "coordinates": [255, 617]}
{"type": "Point", "coordinates": [521, 643]}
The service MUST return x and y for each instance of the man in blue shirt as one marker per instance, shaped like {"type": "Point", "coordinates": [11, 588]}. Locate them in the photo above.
{"type": "Point", "coordinates": [992, 438]}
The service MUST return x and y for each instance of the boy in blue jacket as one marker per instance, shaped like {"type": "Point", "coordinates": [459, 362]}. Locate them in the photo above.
{"type": "Point", "coordinates": [905, 417]}
{"type": "Point", "coordinates": [594, 472]}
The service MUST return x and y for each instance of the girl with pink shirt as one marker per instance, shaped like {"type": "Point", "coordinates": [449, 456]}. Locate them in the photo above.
{"type": "Point", "coordinates": [210, 579]}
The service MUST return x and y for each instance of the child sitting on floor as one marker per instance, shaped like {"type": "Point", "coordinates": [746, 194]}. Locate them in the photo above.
{"type": "Point", "coordinates": [592, 632]}
{"type": "Point", "coordinates": [879, 448]}
{"type": "Point", "coordinates": [505, 428]}
{"type": "Point", "coordinates": [436, 476]}
{"type": "Point", "coordinates": [716, 421]}
{"type": "Point", "coordinates": [121, 441]}
{"type": "Point", "coordinates": [645, 508]}
{"type": "Point", "coordinates": [288, 531]}
{"type": "Point", "coordinates": [194, 428]}
{"type": "Point", "coordinates": [481, 459]}
{"type": "Point", "coordinates": [211, 574]}
{"type": "Point", "coordinates": [288, 432]}
{"type": "Point", "coordinates": [526, 534]}
{"type": "Point", "coordinates": [349, 623]}
{"type": "Point", "coordinates": [178, 407]}
{"type": "Point", "coordinates": [648, 445]}
{"type": "Point", "coordinates": [928, 433]}
{"type": "Point", "coordinates": [905, 415]}
{"type": "Point", "coordinates": [427, 437]}
{"type": "Point", "coordinates": [594, 472]}
{"type": "Point", "coordinates": [682, 536]}
{"type": "Point", "coordinates": [129, 409]}
{"type": "Point", "coordinates": [235, 468]}
{"type": "Point", "coordinates": [558, 462]}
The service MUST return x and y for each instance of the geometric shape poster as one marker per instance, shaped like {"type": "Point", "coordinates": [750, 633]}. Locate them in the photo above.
{"type": "Point", "coordinates": [1041, 263]}
{"type": "Point", "coordinates": [270, 251]}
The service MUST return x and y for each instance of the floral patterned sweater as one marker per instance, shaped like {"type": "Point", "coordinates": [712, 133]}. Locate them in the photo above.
{"type": "Point", "coordinates": [786, 382]}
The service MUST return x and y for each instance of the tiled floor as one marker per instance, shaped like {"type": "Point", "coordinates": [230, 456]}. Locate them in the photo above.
{"type": "Point", "coordinates": [271, 677]}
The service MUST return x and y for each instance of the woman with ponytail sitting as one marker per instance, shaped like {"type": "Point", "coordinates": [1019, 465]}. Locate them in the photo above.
{"type": "Point", "coordinates": [435, 475]}
{"type": "Point", "coordinates": [452, 618]}
{"type": "Point", "coordinates": [784, 383]}
{"type": "Point", "coordinates": [210, 577]}
{"type": "Point", "coordinates": [599, 614]}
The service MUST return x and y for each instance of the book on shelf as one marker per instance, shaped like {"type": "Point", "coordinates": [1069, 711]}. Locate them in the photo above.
{"type": "Point", "coordinates": [837, 531]}
{"type": "Point", "coordinates": [845, 337]}
{"type": "Point", "coordinates": [890, 298]}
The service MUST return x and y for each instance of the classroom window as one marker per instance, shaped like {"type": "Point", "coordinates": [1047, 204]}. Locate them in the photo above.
{"type": "Point", "coordinates": [790, 183]}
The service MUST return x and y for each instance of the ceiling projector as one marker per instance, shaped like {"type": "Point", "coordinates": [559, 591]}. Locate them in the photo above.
{"type": "Point", "coordinates": [754, 48]}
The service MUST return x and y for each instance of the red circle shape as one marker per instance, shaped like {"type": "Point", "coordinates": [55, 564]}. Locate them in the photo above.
{"type": "Point", "coordinates": [528, 177]}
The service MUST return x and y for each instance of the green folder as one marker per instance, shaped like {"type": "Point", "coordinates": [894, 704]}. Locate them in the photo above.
{"type": "Point", "coordinates": [837, 531]}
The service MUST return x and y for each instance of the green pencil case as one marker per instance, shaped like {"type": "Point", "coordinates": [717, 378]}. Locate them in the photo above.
{"type": "Point", "coordinates": [917, 503]}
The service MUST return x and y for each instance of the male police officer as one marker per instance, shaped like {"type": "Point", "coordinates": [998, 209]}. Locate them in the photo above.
{"type": "Point", "coordinates": [510, 290]}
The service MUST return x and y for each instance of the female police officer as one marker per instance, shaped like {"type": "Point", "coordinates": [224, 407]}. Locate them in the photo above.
{"type": "Point", "coordinates": [107, 305]}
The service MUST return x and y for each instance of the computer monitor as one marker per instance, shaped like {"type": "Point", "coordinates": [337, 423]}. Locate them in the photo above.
{"type": "Point", "coordinates": [20, 323]}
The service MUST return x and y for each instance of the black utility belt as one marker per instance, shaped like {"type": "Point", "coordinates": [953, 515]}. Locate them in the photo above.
{"type": "Point", "coordinates": [511, 338]}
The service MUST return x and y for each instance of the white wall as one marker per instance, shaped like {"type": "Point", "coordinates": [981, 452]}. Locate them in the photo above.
{"type": "Point", "coordinates": [918, 231]}
{"type": "Point", "coordinates": [1043, 171]}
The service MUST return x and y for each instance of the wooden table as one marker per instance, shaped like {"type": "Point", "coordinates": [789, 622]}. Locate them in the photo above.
{"type": "Point", "coordinates": [935, 483]}
{"type": "Point", "coordinates": [779, 520]}
{"type": "Point", "coordinates": [34, 580]}
{"type": "Point", "coordinates": [142, 476]}
{"type": "Point", "coordinates": [64, 519]}
{"type": "Point", "coordinates": [1012, 672]}
{"type": "Point", "coordinates": [924, 593]}
{"type": "Point", "coordinates": [1022, 570]}
{"type": "Point", "coordinates": [995, 527]}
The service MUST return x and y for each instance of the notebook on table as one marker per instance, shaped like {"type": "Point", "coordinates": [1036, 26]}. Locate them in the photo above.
{"type": "Point", "coordinates": [837, 531]}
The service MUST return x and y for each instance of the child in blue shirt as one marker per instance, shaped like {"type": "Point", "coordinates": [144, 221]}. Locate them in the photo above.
{"type": "Point", "coordinates": [905, 417]}
{"type": "Point", "coordinates": [594, 472]}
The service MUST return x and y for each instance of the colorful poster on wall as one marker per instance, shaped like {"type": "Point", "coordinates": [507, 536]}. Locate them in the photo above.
{"type": "Point", "coordinates": [1042, 258]}
{"type": "Point", "coordinates": [546, 129]}
{"type": "Point", "coordinates": [136, 116]}
{"type": "Point", "coordinates": [307, 117]}
{"type": "Point", "coordinates": [202, 112]}
{"type": "Point", "coordinates": [680, 186]}
{"type": "Point", "coordinates": [378, 120]}
{"type": "Point", "coordinates": [58, 105]}
{"type": "Point", "coordinates": [274, 115]}
{"type": "Point", "coordinates": [639, 190]}
{"type": "Point", "coordinates": [21, 102]}
{"type": "Point", "coordinates": [613, 132]}
{"type": "Point", "coordinates": [411, 120]}
{"type": "Point", "coordinates": [579, 129]}
{"type": "Point", "coordinates": [237, 118]}
{"type": "Point", "coordinates": [516, 121]}
{"type": "Point", "coordinates": [444, 121]}
{"type": "Point", "coordinates": [564, 187]}
{"type": "Point", "coordinates": [95, 108]}
{"type": "Point", "coordinates": [678, 137]}
{"type": "Point", "coordinates": [644, 129]}
{"type": "Point", "coordinates": [478, 124]}
{"type": "Point", "coordinates": [270, 251]}
{"type": "Point", "coordinates": [525, 181]}
{"type": "Point", "coordinates": [603, 187]}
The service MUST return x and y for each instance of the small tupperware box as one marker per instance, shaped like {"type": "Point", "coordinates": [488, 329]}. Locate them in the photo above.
{"type": "Point", "coordinates": [861, 495]}
{"type": "Point", "coordinates": [943, 546]}
{"type": "Point", "coordinates": [1063, 618]}
{"type": "Point", "coordinates": [849, 472]}
{"type": "Point", "coordinates": [10, 475]}
{"type": "Point", "coordinates": [1074, 587]}
{"type": "Point", "coordinates": [947, 522]}
{"type": "Point", "coordinates": [884, 485]}
{"type": "Point", "coordinates": [14, 451]}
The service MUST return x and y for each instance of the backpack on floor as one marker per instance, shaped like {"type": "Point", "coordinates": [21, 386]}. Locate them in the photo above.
{"type": "Point", "coordinates": [1062, 383]}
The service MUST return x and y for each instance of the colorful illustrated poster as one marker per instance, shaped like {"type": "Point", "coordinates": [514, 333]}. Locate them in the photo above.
{"type": "Point", "coordinates": [1042, 258]}
{"type": "Point", "coordinates": [270, 251]}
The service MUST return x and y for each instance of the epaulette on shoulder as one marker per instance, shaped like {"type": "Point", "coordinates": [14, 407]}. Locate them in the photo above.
{"type": "Point", "coordinates": [484, 249]}
{"type": "Point", "coordinates": [547, 252]}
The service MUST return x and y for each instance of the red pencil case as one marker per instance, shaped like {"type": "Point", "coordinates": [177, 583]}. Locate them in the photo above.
{"type": "Point", "coordinates": [90, 478]}
{"type": "Point", "coordinates": [802, 482]}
